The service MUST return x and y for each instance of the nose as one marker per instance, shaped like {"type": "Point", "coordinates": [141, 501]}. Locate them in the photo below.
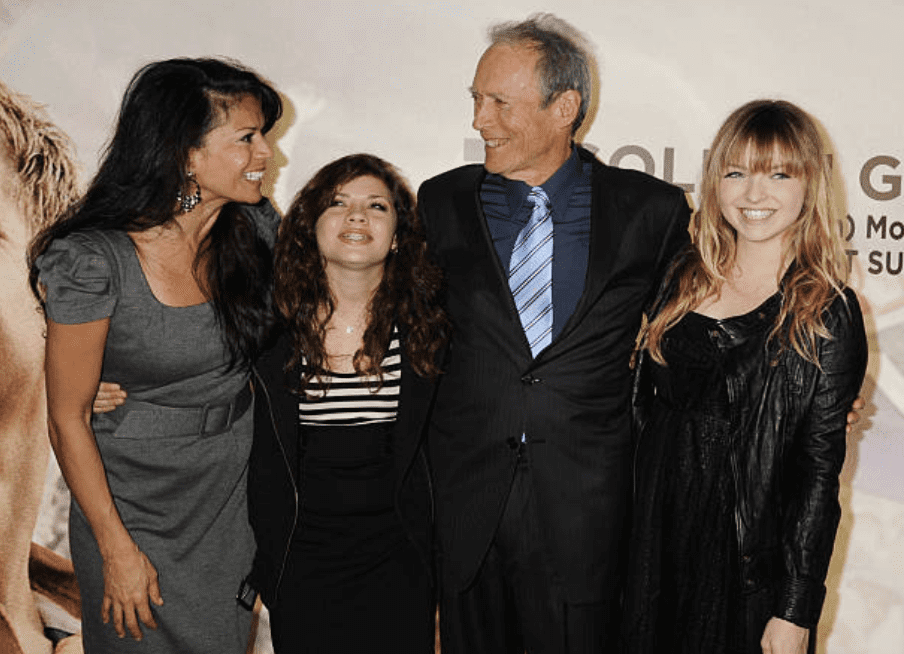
{"type": "Point", "coordinates": [755, 189]}
{"type": "Point", "coordinates": [482, 115]}
{"type": "Point", "coordinates": [263, 149]}
{"type": "Point", "coordinates": [356, 212]}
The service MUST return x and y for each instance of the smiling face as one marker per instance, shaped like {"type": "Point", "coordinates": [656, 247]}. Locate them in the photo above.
{"type": "Point", "coordinates": [358, 227]}
{"type": "Point", "coordinates": [522, 141]}
{"type": "Point", "coordinates": [761, 205]}
{"type": "Point", "coordinates": [230, 164]}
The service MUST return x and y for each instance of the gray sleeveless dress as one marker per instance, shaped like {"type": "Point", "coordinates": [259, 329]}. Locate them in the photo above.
{"type": "Point", "coordinates": [175, 454]}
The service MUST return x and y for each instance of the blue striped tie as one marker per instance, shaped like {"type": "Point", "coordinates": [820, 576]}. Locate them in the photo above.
{"type": "Point", "coordinates": [530, 273]}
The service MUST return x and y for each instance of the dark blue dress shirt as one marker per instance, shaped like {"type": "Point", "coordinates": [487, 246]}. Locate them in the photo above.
{"type": "Point", "coordinates": [507, 211]}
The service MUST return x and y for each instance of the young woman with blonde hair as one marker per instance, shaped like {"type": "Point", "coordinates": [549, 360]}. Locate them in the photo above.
{"type": "Point", "coordinates": [753, 352]}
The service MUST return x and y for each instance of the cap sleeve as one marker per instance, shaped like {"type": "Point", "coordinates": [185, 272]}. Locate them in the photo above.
{"type": "Point", "coordinates": [77, 274]}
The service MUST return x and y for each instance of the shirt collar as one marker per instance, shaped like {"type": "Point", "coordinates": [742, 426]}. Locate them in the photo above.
{"type": "Point", "coordinates": [558, 187]}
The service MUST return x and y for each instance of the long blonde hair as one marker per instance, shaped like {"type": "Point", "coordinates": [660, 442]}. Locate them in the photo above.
{"type": "Point", "coordinates": [767, 132]}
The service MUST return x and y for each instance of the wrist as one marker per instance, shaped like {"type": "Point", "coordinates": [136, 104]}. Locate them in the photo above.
{"type": "Point", "coordinates": [115, 542]}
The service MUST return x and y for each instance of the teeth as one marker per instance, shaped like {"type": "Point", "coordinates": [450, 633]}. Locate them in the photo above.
{"type": "Point", "coordinates": [354, 236]}
{"type": "Point", "coordinates": [254, 177]}
{"type": "Point", "coordinates": [758, 214]}
{"type": "Point", "coordinates": [493, 143]}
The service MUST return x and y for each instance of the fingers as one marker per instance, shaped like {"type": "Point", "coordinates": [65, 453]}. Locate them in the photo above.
{"type": "Point", "coordinates": [854, 414]}
{"type": "Point", "coordinates": [151, 591]}
{"type": "Point", "coordinates": [105, 609]}
{"type": "Point", "coordinates": [99, 407]}
{"type": "Point", "coordinates": [109, 610]}
{"type": "Point", "coordinates": [108, 397]}
{"type": "Point", "coordinates": [128, 617]}
{"type": "Point", "coordinates": [782, 637]}
{"type": "Point", "coordinates": [123, 618]}
{"type": "Point", "coordinates": [118, 621]}
{"type": "Point", "coordinates": [154, 590]}
{"type": "Point", "coordinates": [109, 388]}
{"type": "Point", "coordinates": [132, 623]}
{"type": "Point", "coordinates": [145, 615]}
{"type": "Point", "coordinates": [130, 581]}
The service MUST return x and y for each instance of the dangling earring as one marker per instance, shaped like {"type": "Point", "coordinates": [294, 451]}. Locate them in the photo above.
{"type": "Point", "coordinates": [192, 200]}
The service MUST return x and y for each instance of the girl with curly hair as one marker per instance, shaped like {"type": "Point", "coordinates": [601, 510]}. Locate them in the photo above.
{"type": "Point", "coordinates": [340, 496]}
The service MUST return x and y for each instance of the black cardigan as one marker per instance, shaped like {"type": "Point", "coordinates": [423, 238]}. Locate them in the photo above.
{"type": "Point", "coordinates": [273, 490]}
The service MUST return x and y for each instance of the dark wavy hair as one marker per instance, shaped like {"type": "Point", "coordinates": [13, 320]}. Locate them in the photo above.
{"type": "Point", "coordinates": [168, 109]}
{"type": "Point", "coordinates": [408, 293]}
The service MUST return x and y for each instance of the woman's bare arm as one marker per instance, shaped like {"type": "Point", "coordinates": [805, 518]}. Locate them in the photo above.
{"type": "Point", "coordinates": [73, 363]}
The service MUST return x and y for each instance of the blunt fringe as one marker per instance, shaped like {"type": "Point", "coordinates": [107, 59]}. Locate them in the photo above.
{"type": "Point", "coordinates": [167, 110]}
{"type": "Point", "coordinates": [564, 60]}
{"type": "Point", "coordinates": [408, 293]}
{"type": "Point", "coordinates": [762, 134]}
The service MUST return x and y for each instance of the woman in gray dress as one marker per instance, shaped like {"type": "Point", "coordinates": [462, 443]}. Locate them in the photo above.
{"type": "Point", "coordinates": [159, 279]}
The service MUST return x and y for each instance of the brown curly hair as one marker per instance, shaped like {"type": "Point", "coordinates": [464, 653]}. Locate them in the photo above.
{"type": "Point", "coordinates": [408, 294]}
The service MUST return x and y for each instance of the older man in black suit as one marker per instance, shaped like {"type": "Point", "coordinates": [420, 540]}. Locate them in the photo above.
{"type": "Point", "coordinates": [550, 257]}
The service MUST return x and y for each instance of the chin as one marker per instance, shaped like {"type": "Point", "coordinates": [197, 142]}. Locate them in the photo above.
{"type": "Point", "coordinates": [249, 199]}
{"type": "Point", "coordinates": [494, 167]}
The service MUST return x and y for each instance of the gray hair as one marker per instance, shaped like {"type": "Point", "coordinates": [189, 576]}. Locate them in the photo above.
{"type": "Point", "coordinates": [564, 63]}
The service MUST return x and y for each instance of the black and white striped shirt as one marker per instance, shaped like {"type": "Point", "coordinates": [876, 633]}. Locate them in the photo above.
{"type": "Point", "coordinates": [344, 399]}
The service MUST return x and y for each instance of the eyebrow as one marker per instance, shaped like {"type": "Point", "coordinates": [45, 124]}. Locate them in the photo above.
{"type": "Point", "coordinates": [781, 167]}
{"type": "Point", "coordinates": [369, 197]}
{"type": "Point", "coordinates": [495, 96]}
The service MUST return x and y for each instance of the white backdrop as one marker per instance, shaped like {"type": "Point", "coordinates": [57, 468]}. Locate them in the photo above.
{"type": "Point", "coordinates": [392, 77]}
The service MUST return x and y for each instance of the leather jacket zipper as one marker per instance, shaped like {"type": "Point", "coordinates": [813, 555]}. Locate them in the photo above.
{"type": "Point", "coordinates": [285, 556]}
{"type": "Point", "coordinates": [429, 485]}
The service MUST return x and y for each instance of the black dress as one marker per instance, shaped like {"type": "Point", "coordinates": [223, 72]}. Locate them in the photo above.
{"type": "Point", "coordinates": [354, 583]}
{"type": "Point", "coordinates": [684, 588]}
{"type": "Point", "coordinates": [741, 442]}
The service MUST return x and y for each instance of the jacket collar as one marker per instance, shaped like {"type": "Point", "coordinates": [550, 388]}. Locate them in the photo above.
{"type": "Point", "coordinates": [607, 228]}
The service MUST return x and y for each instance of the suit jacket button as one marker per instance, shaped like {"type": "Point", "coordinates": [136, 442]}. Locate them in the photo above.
{"type": "Point", "coordinates": [527, 379]}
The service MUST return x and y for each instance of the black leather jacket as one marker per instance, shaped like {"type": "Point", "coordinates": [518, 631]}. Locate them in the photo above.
{"type": "Point", "coordinates": [792, 418]}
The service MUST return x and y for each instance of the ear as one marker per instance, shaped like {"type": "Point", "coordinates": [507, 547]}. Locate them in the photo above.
{"type": "Point", "coordinates": [194, 157]}
{"type": "Point", "coordinates": [567, 106]}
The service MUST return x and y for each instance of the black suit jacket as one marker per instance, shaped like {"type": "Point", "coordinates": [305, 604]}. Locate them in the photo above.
{"type": "Point", "coordinates": [273, 485]}
{"type": "Point", "coordinates": [572, 401]}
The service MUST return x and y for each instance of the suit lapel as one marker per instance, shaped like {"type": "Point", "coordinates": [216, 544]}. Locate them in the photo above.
{"type": "Point", "coordinates": [468, 209]}
{"type": "Point", "coordinates": [606, 232]}
{"type": "Point", "coordinates": [607, 228]}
